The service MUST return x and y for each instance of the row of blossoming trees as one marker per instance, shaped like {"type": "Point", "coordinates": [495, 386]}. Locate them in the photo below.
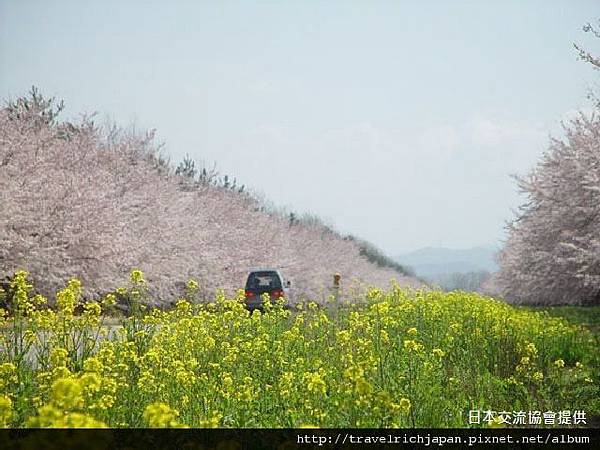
{"type": "Point", "coordinates": [552, 254]}
{"type": "Point", "coordinates": [94, 202]}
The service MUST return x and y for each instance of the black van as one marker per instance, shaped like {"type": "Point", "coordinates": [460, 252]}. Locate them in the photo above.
{"type": "Point", "coordinates": [263, 281]}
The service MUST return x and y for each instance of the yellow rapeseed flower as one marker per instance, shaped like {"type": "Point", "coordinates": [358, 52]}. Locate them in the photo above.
{"type": "Point", "coordinates": [6, 413]}
{"type": "Point", "coordinates": [559, 363]}
{"type": "Point", "coordinates": [66, 393]}
{"type": "Point", "coordinates": [137, 276]}
{"type": "Point", "coordinates": [8, 375]}
{"type": "Point", "coordinates": [531, 349]}
{"type": "Point", "coordinates": [404, 404]}
{"type": "Point", "coordinates": [438, 352]}
{"type": "Point", "coordinates": [413, 346]}
{"type": "Point", "coordinates": [58, 357]}
{"type": "Point", "coordinates": [160, 415]}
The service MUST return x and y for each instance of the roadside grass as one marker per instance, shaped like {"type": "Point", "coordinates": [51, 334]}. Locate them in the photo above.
{"type": "Point", "coordinates": [587, 316]}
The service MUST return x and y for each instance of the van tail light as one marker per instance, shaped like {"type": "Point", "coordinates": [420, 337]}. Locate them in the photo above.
{"type": "Point", "coordinates": [249, 294]}
{"type": "Point", "coordinates": [277, 293]}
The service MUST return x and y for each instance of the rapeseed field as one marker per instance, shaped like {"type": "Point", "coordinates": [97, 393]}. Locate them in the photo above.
{"type": "Point", "coordinates": [395, 358]}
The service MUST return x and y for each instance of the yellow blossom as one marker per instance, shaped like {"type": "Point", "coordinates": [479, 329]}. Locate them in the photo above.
{"type": "Point", "coordinates": [438, 352]}
{"type": "Point", "coordinates": [66, 393]}
{"type": "Point", "coordinates": [160, 415]}
{"type": "Point", "coordinates": [6, 413]}
{"type": "Point", "coordinates": [559, 363]}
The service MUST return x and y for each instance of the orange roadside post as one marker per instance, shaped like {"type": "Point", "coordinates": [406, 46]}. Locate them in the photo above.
{"type": "Point", "coordinates": [336, 286]}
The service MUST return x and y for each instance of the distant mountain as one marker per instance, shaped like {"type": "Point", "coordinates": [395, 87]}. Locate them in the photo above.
{"type": "Point", "coordinates": [431, 262]}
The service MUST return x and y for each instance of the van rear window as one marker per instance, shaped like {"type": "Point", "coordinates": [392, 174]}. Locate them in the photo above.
{"type": "Point", "coordinates": [263, 280]}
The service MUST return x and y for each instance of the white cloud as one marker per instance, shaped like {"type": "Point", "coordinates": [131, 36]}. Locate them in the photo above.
{"type": "Point", "coordinates": [484, 140]}
{"type": "Point", "coordinates": [440, 142]}
{"type": "Point", "coordinates": [262, 87]}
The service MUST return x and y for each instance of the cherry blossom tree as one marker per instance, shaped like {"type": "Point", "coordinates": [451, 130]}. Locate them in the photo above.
{"type": "Point", "coordinates": [95, 202]}
{"type": "Point", "coordinates": [552, 254]}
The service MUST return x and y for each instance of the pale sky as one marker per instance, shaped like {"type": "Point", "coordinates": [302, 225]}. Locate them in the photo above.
{"type": "Point", "coordinates": [397, 121]}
